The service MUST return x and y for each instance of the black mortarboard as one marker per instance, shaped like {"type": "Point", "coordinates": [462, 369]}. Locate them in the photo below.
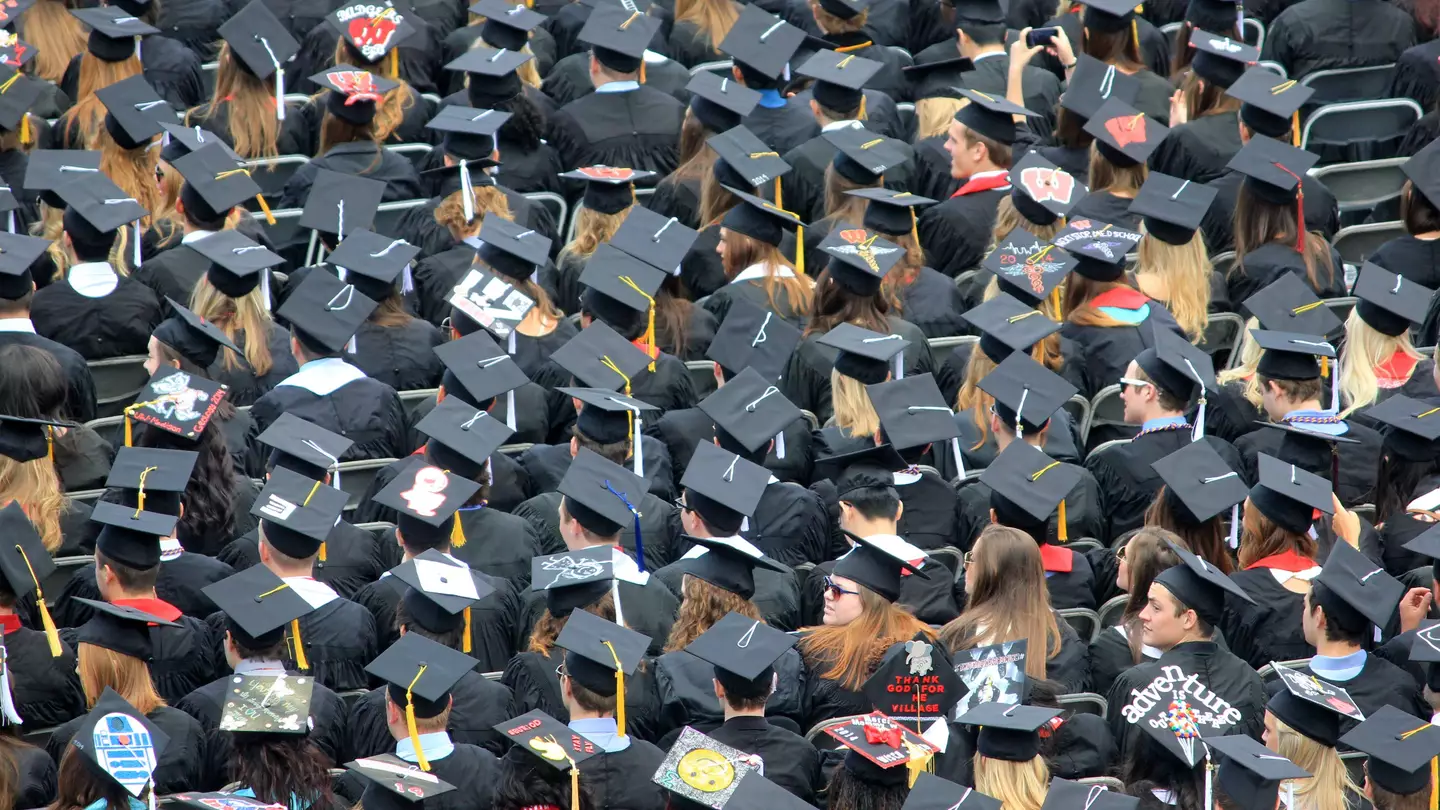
{"type": "Point", "coordinates": [1389, 303]}
{"type": "Point", "coordinates": [1311, 449]}
{"type": "Point", "coordinates": [18, 93]}
{"type": "Point", "coordinates": [593, 356]}
{"type": "Point", "coordinates": [24, 562]}
{"type": "Point", "coordinates": [740, 645]}
{"type": "Point", "coordinates": [913, 412]}
{"type": "Point", "coordinates": [1027, 486]}
{"type": "Point", "coordinates": [184, 140]}
{"type": "Point", "coordinates": [1172, 208]}
{"type": "Point", "coordinates": [1220, 60]}
{"type": "Point", "coordinates": [749, 409]}
{"type": "Point", "coordinates": [755, 338]}
{"type": "Point", "coordinates": [860, 259]}
{"type": "Point", "coordinates": [878, 744]}
{"type": "Point", "coordinates": [1177, 366]}
{"type": "Point", "coordinates": [12, 10]}
{"type": "Point", "coordinates": [1098, 248]}
{"type": "Point", "coordinates": [845, 9]}
{"type": "Point", "coordinates": [469, 133]}
{"type": "Point", "coordinates": [1269, 101]}
{"type": "Point", "coordinates": [259, 39]}
{"type": "Point", "coordinates": [130, 535]}
{"type": "Point", "coordinates": [120, 628]}
{"type": "Point", "coordinates": [297, 513]}
{"type": "Point", "coordinates": [1028, 267]}
{"type": "Point", "coordinates": [442, 590]}
{"type": "Point", "coordinates": [1041, 191]}
{"type": "Point", "coordinates": [890, 212]}
{"type": "Point", "coordinates": [619, 288]}
{"type": "Point", "coordinates": [1290, 356]}
{"type": "Point", "coordinates": [17, 253]}
{"type": "Point", "coordinates": [878, 567]}
{"type": "Point", "coordinates": [49, 169]}
{"type": "Point", "coordinates": [722, 487]}
{"type": "Point", "coordinates": [861, 156]}
{"type": "Point", "coordinates": [372, 28]}
{"type": "Point", "coordinates": [871, 466]}
{"type": "Point", "coordinates": [619, 36]}
{"type": "Point", "coordinates": [507, 25]}
{"type": "Point", "coordinates": [512, 249]}
{"type": "Point", "coordinates": [1108, 15]}
{"type": "Point", "coordinates": [393, 783]}
{"type": "Point", "coordinates": [326, 310]}
{"type": "Point", "coordinates": [467, 431]}
{"type": "Point", "coordinates": [480, 367]}
{"type": "Point", "coordinates": [991, 116]}
{"type": "Point", "coordinates": [1311, 706]}
{"type": "Point", "coordinates": [1400, 746]}
{"type": "Point", "coordinates": [747, 158]}
{"type": "Point", "coordinates": [839, 78]}
{"type": "Point", "coordinates": [114, 32]}
{"type": "Point", "coordinates": [425, 498]}
{"type": "Point", "coordinates": [603, 496]}
{"type": "Point", "coordinates": [134, 111]}
{"type": "Point", "coordinates": [193, 337]}
{"type": "Point", "coordinates": [216, 801]}
{"type": "Point", "coordinates": [267, 704]}
{"type": "Point", "coordinates": [608, 190]}
{"type": "Point", "coordinates": [574, 578]}
{"type": "Point", "coordinates": [237, 263]}
{"type": "Point", "coordinates": [340, 203]}
{"type": "Point", "coordinates": [1366, 588]}
{"type": "Point", "coordinates": [1273, 170]}
{"type": "Point", "coordinates": [177, 402]}
{"type": "Point", "coordinates": [762, 41]}
{"type": "Point", "coordinates": [1124, 135]}
{"type": "Point", "coordinates": [99, 207]}
{"type": "Point", "coordinates": [1249, 773]}
{"type": "Point", "coordinates": [355, 93]}
{"type": "Point", "coordinates": [213, 183]}
{"type": "Point", "coordinates": [1200, 479]}
{"type": "Point", "coordinates": [914, 680]}
{"type": "Point", "coordinates": [980, 12]}
{"type": "Point", "coordinates": [1067, 795]}
{"type": "Point", "coordinates": [607, 417]}
{"type": "Point", "coordinates": [1026, 393]}
{"type": "Point", "coordinates": [374, 262]}
{"type": "Point", "coordinates": [1423, 169]}
{"type": "Point", "coordinates": [1415, 427]}
{"type": "Point", "coordinates": [151, 469]}
{"type": "Point", "coordinates": [258, 605]}
{"type": "Point", "coordinates": [931, 792]}
{"type": "Point", "coordinates": [1008, 325]}
{"type": "Point", "coordinates": [548, 740]}
{"type": "Point", "coordinates": [495, 80]}
{"type": "Point", "coordinates": [1009, 732]}
{"type": "Point", "coordinates": [25, 439]}
{"type": "Point", "coordinates": [14, 51]}
{"type": "Point", "coordinates": [421, 672]}
{"type": "Point", "coordinates": [720, 102]}
{"type": "Point", "coordinates": [121, 743]}
{"type": "Point", "coordinates": [1199, 585]}
{"type": "Point", "coordinates": [1093, 83]}
{"type": "Point", "coordinates": [659, 241]}
{"type": "Point", "coordinates": [598, 651]}
{"type": "Point", "coordinates": [865, 355]}
{"type": "Point", "coordinates": [939, 79]}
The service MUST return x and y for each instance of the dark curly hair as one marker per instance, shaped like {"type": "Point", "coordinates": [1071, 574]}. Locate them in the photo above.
{"type": "Point", "coordinates": [526, 125]}
{"type": "Point", "coordinates": [524, 783]}
{"type": "Point", "coordinates": [278, 766]}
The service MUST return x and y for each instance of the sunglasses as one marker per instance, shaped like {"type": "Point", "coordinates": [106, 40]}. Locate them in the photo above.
{"type": "Point", "coordinates": [1131, 381]}
{"type": "Point", "coordinates": [836, 590]}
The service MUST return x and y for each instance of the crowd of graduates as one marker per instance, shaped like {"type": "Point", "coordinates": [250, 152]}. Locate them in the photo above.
{"type": "Point", "coordinates": [714, 428]}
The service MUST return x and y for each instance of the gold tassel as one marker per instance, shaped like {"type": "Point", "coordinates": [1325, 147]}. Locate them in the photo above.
{"type": "Point", "coordinates": [265, 207]}
{"type": "Point", "coordinates": [860, 115]}
{"type": "Point", "coordinates": [650, 348]}
{"type": "Point", "coordinates": [410, 720]}
{"type": "Point", "coordinates": [25, 134]}
{"type": "Point", "coordinates": [1295, 140]}
{"type": "Point", "coordinates": [392, 64]}
{"type": "Point", "coordinates": [619, 690]}
{"type": "Point", "coordinates": [300, 661]}
{"type": "Point", "coordinates": [52, 635]}
{"type": "Point", "coordinates": [1064, 533]}
{"type": "Point", "coordinates": [914, 227]}
{"type": "Point", "coordinates": [1135, 35]}
{"type": "Point", "coordinates": [574, 784]}
{"type": "Point", "coordinates": [457, 533]}
{"type": "Point", "coordinates": [140, 493]}
{"type": "Point", "coordinates": [50, 443]}
{"type": "Point", "coordinates": [1324, 367]}
{"type": "Point", "coordinates": [128, 438]}
{"type": "Point", "coordinates": [1435, 783]}
{"type": "Point", "coordinates": [465, 645]}
{"type": "Point", "coordinates": [920, 761]}
{"type": "Point", "coordinates": [800, 250]}
{"type": "Point", "coordinates": [322, 551]}
{"type": "Point", "coordinates": [642, 69]}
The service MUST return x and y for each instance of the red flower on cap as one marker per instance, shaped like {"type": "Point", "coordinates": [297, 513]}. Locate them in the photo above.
{"type": "Point", "coordinates": [357, 85]}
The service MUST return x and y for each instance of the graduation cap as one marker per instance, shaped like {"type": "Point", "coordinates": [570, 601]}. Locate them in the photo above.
{"type": "Point", "coordinates": [1175, 726]}
{"type": "Point", "coordinates": [753, 337]}
{"type": "Point", "coordinates": [878, 566]}
{"type": "Point", "coordinates": [1178, 367]}
{"type": "Point", "coordinates": [1026, 393]}
{"type": "Point", "coordinates": [1009, 732]}
{"type": "Point", "coordinates": [741, 646]}
{"type": "Point", "coordinates": [478, 370]}
{"type": "Point", "coordinates": [1108, 15]}
{"type": "Point", "coordinates": [839, 78]}
{"type": "Point", "coordinates": [339, 203]}
{"type": "Point", "coordinates": [931, 792]}
{"type": "Point", "coordinates": [24, 439]}
{"type": "Point", "coordinates": [991, 116]}
{"type": "Point", "coordinates": [134, 111]}
{"type": "Point", "coordinates": [1041, 191]}
{"type": "Point", "coordinates": [749, 409]}
{"type": "Point", "coordinates": [609, 417]}
{"type": "Point", "coordinates": [1415, 427]}
{"type": "Point", "coordinates": [442, 591]}
{"type": "Point", "coordinates": [599, 357]}
{"type": "Point", "coordinates": [720, 102]}
{"type": "Point", "coordinates": [131, 535]}
{"type": "Point", "coordinates": [1172, 208]}
{"type": "Point", "coordinates": [619, 289]}
{"type": "Point", "coordinates": [25, 563]}
{"type": "Point", "coordinates": [120, 742]}
{"type": "Point", "coordinates": [491, 300]}
{"type": "Point", "coordinates": [980, 12]}
{"type": "Point", "coordinates": [1220, 60]}
{"type": "Point", "coordinates": [261, 43]}
{"type": "Point", "coordinates": [507, 25]}
{"type": "Point", "coordinates": [845, 9]}
{"type": "Point", "coordinates": [913, 413]}
{"type": "Point", "coordinates": [1098, 248]}
{"type": "Point", "coordinates": [177, 402]}
{"type": "Point", "coordinates": [746, 158]}
{"type": "Point", "coordinates": [1364, 590]}
{"type": "Point", "coordinates": [1124, 135]}
{"type": "Point", "coordinates": [574, 578]}
{"type": "Point", "coordinates": [608, 189]}
{"type": "Point", "coordinates": [1028, 486]}
{"type": "Point", "coordinates": [114, 32]}
{"type": "Point", "coordinates": [890, 212]}
{"type": "Point", "coordinates": [183, 140]}
{"type": "Point", "coordinates": [512, 249]}
{"type": "Point", "coordinates": [1200, 586]}
{"type": "Point", "coordinates": [18, 93]}
{"type": "Point", "coordinates": [1311, 706]}
{"type": "Point", "coordinates": [149, 470]}
{"type": "Point", "coordinates": [494, 69]}
{"type": "Point", "coordinates": [372, 29]}
{"type": "Point", "coordinates": [877, 744]}
{"type": "Point", "coordinates": [728, 563]}
{"type": "Point", "coordinates": [267, 704]}
{"type": "Point", "coordinates": [237, 264]}
{"type": "Point", "coordinates": [1008, 325]}
{"type": "Point", "coordinates": [297, 513]}
{"type": "Point", "coordinates": [97, 208]}
{"type": "Point", "coordinates": [755, 792]}
{"type": "Point", "coordinates": [724, 488]}
{"type": "Point", "coordinates": [1274, 172]}
{"type": "Point", "coordinates": [120, 628]}
{"type": "Point", "coordinates": [599, 654]}
{"type": "Point", "coordinates": [1199, 481]}
{"type": "Point", "coordinates": [1028, 267]}
{"type": "Point", "coordinates": [11, 11]}
{"type": "Point", "coordinates": [304, 447]}
{"type": "Point", "coordinates": [619, 36]}
{"type": "Point", "coordinates": [550, 741]}
{"type": "Point", "coordinates": [939, 79]}
{"type": "Point", "coordinates": [193, 337]}
{"type": "Point", "coordinates": [1270, 103]}
{"type": "Point", "coordinates": [1425, 648]}
{"type": "Point", "coordinates": [993, 673]}
{"type": "Point", "coordinates": [603, 496]}
{"type": "Point", "coordinates": [1291, 356]}
{"type": "Point", "coordinates": [1400, 746]}
{"type": "Point", "coordinates": [214, 184]}
{"type": "Point", "coordinates": [375, 261]}
{"type": "Point", "coordinates": [17, 253]}
{"type": "Point", "coordinates": [872, 466]}
{"type": "Point", "coordinates": [861, 156]}
{"type": "Point", "coordinates": [705, 771]}
{"type": "Point", "coordinates": [391, 782]}
{"type": "Point", "coordinates": [48, 169]}
{"type": "Point", "coordinates": [865, 355]}
{"type": "Point", "coordinates": [1389, 303]}
{"type": "Point", "coordinates": [1250, 773]}
{"type": "Point", "coordinates": [326, 310]}
{"type": "Point", "coordinates": [861, 259]}
{"type": "Point", "coordinates": [420, 673]}
{"type": "Point", "coordinates": [1421, 168]}
{"type": "Point", "coordinates": [469, 136]}
{"type": "Point", "coordinates": [426, 497]}
{"type": "Point", "coordinates": [1094, 83]}
{"type": "Point", "coordinates": [914, 680]}
{"type": "Point", "coordinates": [659, 241]}
{"type": "Point", "coordinates": [1064, 794]}
{"type": "Point", "coordinates": [465, 431]}
{"type": "Point", "coordinates": [355, 94]}
{"type": "Point", "coordinates": [258, 606]}
{"type": "Point", "coordinates": [219, 801]}
{"type": "Point", "coordinates": [761, 41]}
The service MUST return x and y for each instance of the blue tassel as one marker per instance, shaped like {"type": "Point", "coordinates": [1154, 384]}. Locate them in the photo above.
{"type": "Point", "coordinates": [639, 544]}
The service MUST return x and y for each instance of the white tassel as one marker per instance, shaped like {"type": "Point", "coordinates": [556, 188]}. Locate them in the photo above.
{"type": "Point", "coordinates": [1335, 388]}
{"type": "Point", "coordinates": [1198, 432]}
{"type": "Point", "coordinates": [900, 366]}
{"type": "Point", "coordinates": [137, 242]}
{"type": "Point", "coordinates": [510, 409]}
{"type": "Point", "coordinates": [335, 481]}
{"type": "Point", "coordinates": [407, 281]}
{"type": "Point", "coordinates": [639, 447]}
{"type": "Point", "coordinates": [780, 444]}
{"type": "Point", "coordinates": [744, 524]}
{"type": "Point", "coordinates": [1209, 780]}
{"type": "Point", "coordinates": [510, 348]}
{"type": "Point", "coordinates": [959, 459]}
{"type": "Point", "coordinates": [265, 289]}
{"type": "Point", "coordinates": [467, 191]}
{"type": "Point", "coordinates": [138, 55]}
{"type": "Point", "coordinates": [1234, 538]}
{"type": "Point", "coordinates": [279, 95]}
{"type": "Point", "coordinates": [350, 347]}
{"type": "Point", "coordinates": [10, 221]}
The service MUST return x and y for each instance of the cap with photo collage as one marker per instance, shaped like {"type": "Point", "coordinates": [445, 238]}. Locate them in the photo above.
{"type": "Point", "coordinates": [297, 513]}
{"type": "Point", "coordinates": [743, 160]}
{"type": "Point", "coordinates": [659, 241]}
{"type": "Point", "coordinates": [373, 263]}
{"type": "Point", "coordinates": [214, 184]}
{"type": "Point", "coordinates": [18, 94]}
{"type": "Point", "coordinates": [1028, 267]}
{"type": "Point", "coordinates": [24, 565]}
{"type": "Point", "coordinates": [195, 339]}
{"type": "Point", "coordinates": [1414, 432]}
{"type": "Point", "coordinates": [1009, 732]}
{"type": "Point", "coordinates": [1270, 103]}
{"type": "Point", "coordinates": [1041, 191]}
{"type": "Point", "coordinates": [238, 264]}
{"type": "Point", "coordinates": [860, 259]}
{"type": "Point", "coordinates": [340, 203]}
{"type": "Point", "coordinates": [723, 488]}
{"type": "Point", "coordinates": [862, 156]}
{"type": "Point", "coordinates": [619, 36]}
{"type": "Point", "coordinates": [1200, 586]}
{"type": "Point", "coordinates": [1389, 303]}
{"type": "Point", "coordinates": [761, 41]}
{"type": "Point", "coordinates": [1028, 487]}
{"type": "Point", "coordinates": [1093, 83]}
{"type": "Point", "coordinates": [259, 607]}
{"type": "Point", "coordinates": [1221, 60]}
{"type": "Point", "coordinates": [608, 189]}
{"type": "Point", "coordinates": [420, 673]}
{"type": "Point", "coordinates": [156, 404]}
{"type": "Point", "coordinates": [573, 579]}
{"type": "Point", "coordinates": [839, 79]}
{"type": "Point", "coordinates": [866, 356]}
{"type": "Point", "coordinates": [599, 357]}
{"type": "Point", "coordinates": [512, 249]}
{"type": "Point", "coordinates": [120, 743]}
{"type": "Point", "coordinates": [603, 496]}
{"type": "Point", "coordinates": [991, 116]}
{"type": "Point", "coordinates": [941, 78]}
{"type": "Point", "coordinates": [1123, 135]}
{"type": "Point", "coordinates": [392, 783]}
{"type": "Point", "coordinates": [1311, 706]}
{"type": "Point", "coordinates": [134, 112]}
{"type": "Point", "coordinates": [441, 592]}
{"type": "Point", "coordinates": [267, 704]}
{"type": "Point", "coordinates": [1251, 773]}
{"type": "Point", "coordinates": [1026, 393]}
{"type": "Point", "coordinates": [1199, 485]}
{"type": "Point", "coordinates": [932, 792]}
{"type": "Point", "coordinates": [478, 370]}
{"type": "Point", "coordinates": [507, 25]}
{"type": "Point", "coordinates": [742, 650]}
{"type": "Point", "coordinates": [97, 209]}
{"type": "Point", "coordinates": [114, 32]}
{"type": "Point", "coordinates": [491, 74]}
{"type": "Point", "coordinates": [372, 29]}
{"type": "Point", "coordinates": [326, 312]}
{"type": "Point", "coordinates": [749, 411]}
{"type": "Point", "coordinates": [354, 93]}
{"type": "Point", "coordinates": [425, 498]}
{"type": "Point", "coordinates": [1401, 747]}
{"type": "Point", "coordinates": [1099, 248]}
{"type": "Point", "coordinates": [1422, 169]}
{"type": "Point", "coordinates": [1008, 325]}
{"type": "Point", "coordinates": [751, 337]}
{"type": "Point", "coordinates": [1064, 794]}
{"type": "Point", "coordinates": [1170, 208]}
{"type": "Point", "coordinates": [600, 654]}
{"type": "Point", "coordinates": [877, 745]}
{"type": "Point", "coordinates": [1355, 591]}
{"type": "Point", "coordinates": [878, 566]}
{"type": "Point", "coordinates": [620, 290]}
{"type": "Point", "coordinates": [914, 414]}
{"type": "Point", "coordinates": [1274, 173]}
{"type": "Point", "coordinates": [891, 212]}
{"type": "Point", "coordinates": [119, 628]}
{"type": "Point", "coordinates": [609, 417]}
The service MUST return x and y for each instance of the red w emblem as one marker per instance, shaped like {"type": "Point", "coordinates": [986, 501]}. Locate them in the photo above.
{"type": "Point", "coordinates": [854, 235]}
{"type": "Point", "coordinates": [1127, 129]}
{"type": "Point", "coordinates": [359, 85]}
{"type": "Point", "coordinates": [1048, 184]}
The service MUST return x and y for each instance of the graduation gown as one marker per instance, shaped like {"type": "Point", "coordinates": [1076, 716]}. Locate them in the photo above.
{"type": "Point", "coordinates": [83, 459]}
{"type": "Point", "coordinates": [746, 286]}
{"type": "Point", "coordinates": [38, 777]}
{"type": "Point", "coordinates": [667, 387]}
{"type": "Point", "coordinates": [784, 126]}
{"type": "Point", "coordinates": [1417, 260]}
{"type": "Point", "coordinates": [298, 133]}
{"type": "Point", "coordinates": [687, 697]}
{"type": "Point", "coordinates": [700, 329]}
{"type": "Point", "coordinates": [174, 272]}
{"type": "Point", "coordinates": [532, 679]}
{"type": "Point", "coordinates": [246, 387]}
{"type": "Point", "coordinates": [610, 777]}
{"type": "Point", "coordinates": [1359, 463]}
{"type": "Point", "coordinates": [1258, 268]}
{"type": "Point", "coordinates": [1268, 630]}
{"type": "Point", "coordinates": [683, 428]}
{"type": "Point", "coordinates": [932, 169]}
{"type": "Point", "coordinates": [563, 283]}
{"type": "Point", "coordinates": [365, 410]}
{"type": "Point", "coordinates": [679, 199]}
{"type": "Point", "coordinates": [1110, 657]}
{"type": "Point", "coordinates": [807, 375]}
{"type": "Point", "coordinates": [402, 357]}
{"type": "Point", "coordinates": [1415, 75]}
{"type": "Point", "coordinates": [1379, 683]}
{"type": "Point", "coordinates": [339, 641]}
{"type": "Point", "coordinates": [1128, 484]}
{"type": "Point", "coordinates": [185, 657]}
{"type": "Point", "coordinates": [933, 303]}
{"type": "Point", "coordinates": [547, 463]}
{"type": "Point", "coordinates": [777, 596]}
{"type": "Point", "coordinates": [930, 502]}
{"type": "Point", "coordinates": [479, 704]}
{"type": "Point", "coordinates": [638, 129]}
{"type": "Point", "coordinates": [1199, 150]}
{"type": "Point", "coordinates": [116, 324]}
{"type": "Point", "coordinates": [352, 557]}
{"type": "Point", "coordinates": [1102, 206]}
{"type": "Point", "coordinates": [690, 46]}
{"type": "Point", "coordinates": [1322, 214]}
{"type": "Point", "coordinates": [978, 450]}
{"type": "Point", "coordinates": [956, 233]}
{"type": "Point", "coordinates": [790, 760]}
{"type": "Point", "coordinates": [356, 158]}
{"type": "Point", "coordinates": [419, 55]}
{"type": "Point", "coordinates": [1327, 34]}
{"type": "Point", "coordinates": [804, 184]}
{"type": "Point", "coordinates": [474, 771]}
{"type": "Point", "coordinates": [46, 690]}
{"type": "Point", "coordinates": [170, 67]}
{"type": "Point", "coordinates": [181, 763]}
{"type": "Point", "coordinates": [1083, 515]}
{"type": "Point", "coordinates": [79, 385]}
{"type": "Point", "coordinates": [182, 577]}
{"type": "Point", "coordinates": [1108, 350]}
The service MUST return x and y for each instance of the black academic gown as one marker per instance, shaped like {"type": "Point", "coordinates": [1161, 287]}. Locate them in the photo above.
{"type": "Point", "coordinates": [185, 657]}
{"type": "Point", "coordinates": [1417, 260]}
{"type": "Point", "coordinates": [749, 290]}
{"type": "Point", "coordinates": [83, 459]}
{"type": "Point", "coordinates": [978, 451]}
{"type": "Point", "coordinates": [611, 778]}
{"type": "Point", "coordinates": [681, 430]}
{"type": "Point", "coordinates": [1380, 683]}
{"type": "Point", "coordinates": [173, 273]}
{"type": "Point", "coordinates": [1260, 267]}
{"type": "Point", "coordinates": [356, 158]}
{"type": "Point", "coordinates": [170, 67]}
{"type": "Point", "coordinates": [1128, 484]}
{"type": "Point", "coordinates": [679, 199]}
{"type": "Point", "coordinates": [638, 129]}
{"type": "Point", "coordinates": [182, 577]}
{"type": "Point", "coordinates": [338, 639]}
{"type": "Point", "coordinates": [532, 679]}
{"type": "Point", "coordinates": [933, 303]}
{"type": "Point", "coordinates": [804, 184]}
{"type": "Point", "coordinates": [365, 410]}
{"type": "Point", "coordinates": [807, 375]}
{"type": "Point", "coordinates": [956, 233]}
{"type": "Point", "coordinates": [402, 357]}
{"type": "Point", "coordinates": [353, 557]}
{"type": "Point", "coordinates": [1327, 34]}
{"type": "Point", "coordinates": [479, 705]}
{"type": "Point", "coordinates": [80, 386]}
{"type": "Point", "coordinates": [473, 771]}
{"type": "Point", "coordinates": [246, 387]}
{"type": "Point", "coordinates": [783, 127]}
{"type": "Point", "coordinates": [687, 696]}
{"type": "Point", "coordinates": [1199, 150]}
{"type": "Point", "coordinates": [1415, 75]}
{"type": "Point", "coordinates": [1108, 350]}
{"type": "Point", "coordinates": [1321, 213]}
{"type": "Point", "coordinates": [790, 760]}
{"type": "Point", "coordinates": [547, 463]}
{"type": "Point", "coordinates": [38, 777]}
{"type": "Point", "coordinates": [46, 690]}
{"type": "Point", "coordinates": [1268, 630]}
{"type": "Point", "coordinates": [113, 325]}
{"type": "Point", "coordinates": [181, 763]}
{"type": "Point", "coordinates": [532, 421]}
{"type": "Point", "coordinates": [297, 136]}
{"type": "Point", "coordinates": [1110, 657]}
{"type": "Point", "coordinates": [932, 169]}
{"type": "Point", "coordinates": [1359, 463]}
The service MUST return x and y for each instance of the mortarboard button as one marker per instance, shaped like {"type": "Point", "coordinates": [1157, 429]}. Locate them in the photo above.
{"type": "Point", "coordinates": [1025, 478]}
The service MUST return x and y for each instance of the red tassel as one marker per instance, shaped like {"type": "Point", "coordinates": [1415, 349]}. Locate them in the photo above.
{"type": "Point", "coordinates": [1299, 207]}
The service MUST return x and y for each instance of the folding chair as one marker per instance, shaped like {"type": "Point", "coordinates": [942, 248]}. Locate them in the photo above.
{"type": "Point", "coordinates": [355, 477]}
{"type": "Point", "coordinates": [1362, 186]}
{"type": "Point", "coordinates": [1222, 335]}
{"type": "Point", "coordinates": [1084, 702]}
{"type": "Point", "coordinates": [702, 376]}
{"type": "Point", "coordinates": [1348, 84]}
{"type": "Point", "coordinates": [388, 216]}
{"type": "Point", "coordinates": [118, 380]}
{"type": "Point", "coordinates": [1107, 418]}
{"type": "Point", "coordinates": [1084, 621]}
{"type": "Point", "coordinates": [554, 203]}
{"type": "Point", "coordinates": [950, 342]}
{"type": "Point", "coordinates": [1357, 243]}
{"type": "Point", "coordinates": [65, 567]}
{"type": "Point", "coordinates": [1359, 130]}
{"type": "Point", "coordinates": [412, 400]}
{"type": "Point", "coordinates": [272, 174]}
{"type": "Point", "coordinates": [1112, 610]}
{"type": "Point", "coordinates": [1079, 409]}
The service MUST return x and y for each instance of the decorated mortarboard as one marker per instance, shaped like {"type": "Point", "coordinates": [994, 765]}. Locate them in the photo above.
{"type": "Point", "coordinates": [267, 704]}
{"type": "Point", "coordinates": [728, 487]}
{"type": "Point", "coordinates": [720, 102]}
{"type": "Point", "coordinates": [238, 264]}
{"type": "Point", "coordinates": [839, 78]}
{"type": "Point", "coordinates": [1251, 773]}
{"type": "Point", "coordinates": [603, 496]}
{"type": "Point", "coordinates": [420, 672]}
{"type": "Point", "coordinates": [991, 116]}
{"type": "Point", "coordinates": [1064, 794]}
{"type": "Point", "coordinates": [750, 158]}
{"type": "Point", "coordinates": [1199, 585]}
{"type": "Point", "coordinates": [427, 493]}
{"type": "Point", "coordinates": [326, 310]}
{"type": "Point", "coordinates": [1311, 706]}
{"type": "Point", "coordinates": [482, 369]}
{"type": "Point", "coordinates": [762, 41]}
{"type": "Point", "coordinates": [619, 36]}
{"type": "Point", "coordinates": [340, 203]}
{"type": "Point", "coordinates": [1423, 169]}
{"type": "Point", "coordinates": [298, 512]}
{"type": "Point", "coordinates": [750, 409]}
{"type": "Point", "coordinates": [394, 777]}
{"type": "Point", "coordinates": [881, 566]}
{"type": "Point", "coordinates": [1028, 267]}
{"type": "Point", "coordinates": [492, 301]}
{"type": "Point", "coordinates": [608, 189]}
{"type": "Point", "coordinates": [18, 93]}
{"type": "Point", "coordinates": [1124, 135]}
{"type": "Point", "coordinates": [1175, 727]}
{"type": "Point", "coordinates": [941, 78]}
{"type": "Point", "coordinates": [373, 28]}
{"type": "Point", "coordinates": [913, 413]}
{"type": "Point", "coordinates": [861, 156]}
{"type": "Point", "coordinates": [1365, 587]}
{"type": "Point", "coordinates": [12, 10]}
{"type": "Point", "coordinates": [600, 654]}
{"type": "Point", "coordinates": [878, 745]}
{"type": "Point", "coordinates": [865, 355]}
{"type": "Point", "coordinates": [177, 402]}
{"type": "Point", "coordinates": [378, 260]}
{"type": "Point", "coordinates": [1171, 208]}
{"type": "Point", "coordinates": [741, 646]}
{"type": "Point", "coordinates": [114, 32]}
{"type": "Point", "coordinates": [194, 338]}
{"type": "Point", "coordinates": [994, 673]}
{"type": "Point", "coordinates": [704, 770]}
{"type": "Point", "coordinates": [932, 792]}
{"type": "Point", "coordinates": [1042, 192]}
{"type": "Point", "coordinates": [1009, 732]}
{"type": "Point", "coordinates": [549, 740]}
{"type": "Point", "coordinates": [1026, 391]}
{"type": "Point", "coordinates": [466, 430]}
{"type": "Point", "coordinates": [1203, 483]}
{"type": "Point", "coordinates": [135, 111]}
{"type": "Point", "coordinates": [304, 447]}
{"type": "Point", "coordinates": [599, 357]}
{"type": "Point", "coordinates": [574, 578]}
{"type": "Point", "coordinates": [1027, 486]}
{"type": "Point", "coordinates": [1009, 325]}
{"type": "Point", "coordinates": [1389, 303]}
{"type": "Point", "coordinates": [1094, 83]}
{"type": "Point", "coordinates": [1098, 247]}
{"type": "Point", "coordinates": [1270, 103]}
{"type": "Point", "coordinates": [354, 93]}
{"type": "Point", "coordinates": [1401, 747]}
{"type": "Point", "coordinates": [1290, 496]}
{"type": "Point", "coordinates": [219, 801]}
{"type": "Point", "coordinates": [121, 742]}
{"type": "Point", "coordinates": [259, 606]}
{"type": "Point", "coordinates": [860, 259]}
{"type": "Point", "coordinates": [25, 563]}
{"type": "Point", "coordinates": [447, 586]}
{"type": "Point", "coordinates": [1415, 427]}
{"type": "Point", "coordinates": [507, 25]}
{"type": "Point", "coordinates": [1220, 60]}
{"type": "Point", "coordinates": [119, 628]}
{"type": "Point", "coordinates": [512, 249]}
{"type": "Point", "coordinates": [659, 241]}
{"type": "Point", "coordinates": [914, 680]}
{"type": "Point", "coordinates": [891, 212]}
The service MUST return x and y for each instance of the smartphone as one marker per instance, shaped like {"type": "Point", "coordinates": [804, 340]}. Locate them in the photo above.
{"type": "Point", "coordinates": [1040, 36]}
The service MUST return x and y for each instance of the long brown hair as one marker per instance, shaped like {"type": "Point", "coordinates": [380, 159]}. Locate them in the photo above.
{"type": "Point", "coordinates": [87, 117]}
{"type": "Point", "coordinates": [244, 316]}
{"type": "Point", "coordinates": [51, 227]}
{"type": "Point", "coordinates": [1121, 181]}
{"type": "Point", "coordinates": [673, 309]}
{"type": "Point", "coordinates": [548, 626]}
{"type": "Point", "coordinates": [850, 653]}
{"type": "Point", "coordinates": [100, 667]}
{"type": "Point", "coordinates": [702, 605]}
{"type": "Point", "coordinates": [390, 112]}
{"type": "Point", "coordinates": [1079, 292]}
{"type": "Point", "coordinates": [972, 398]}
{"type": "Point", "coordinates": [742, 251]}
{"type": "Point", "coordinates": [1118, 48]}
{"type": "Point", "coordinates": [11, 748]}
{"type": "Point", "coordinates": [1205, 539]}
{"type": "Point", "coordinates": [1007, 219]}
{"type": "Point", "coordinates": [252, 124]}
{"type": "Point", "coordinates": [713, 17]}
{"type": "Point", "coordinates": [1009, 600]}
{"type": "Point", "coordinates": [1146, 555]}
{"type": "Point", "coordinates": [903, 274]}
{"type": "Point", "coordinates": [390, 312]}
{"type": "Point", "coordinates": [57, 36]}
{"type": "Point", "coordinates": [1258, 223]}
{"type": "Point", "coordinates": [79, 785]}
{"type": "Point", "coordinates": [1204, 98]}
{"type": "Point", "coordinates": [32, 386]}
{"type": "Point", "coordinates": [850, 400]}
{"type": "Point", "coordinates": [715, 199]}
{"type": "Point", "coordinates": [835, 305]}
{"type": "Point", "coordinates": [697, 159]}
{"type": "Point", "coordinates": [840, 207]}
{"type": "Point", "coordinates": [486, 199]}
{"type": "Point", "coordinates": [335, 130]}
{"type": "Point", "coordinates": [1261, 537]}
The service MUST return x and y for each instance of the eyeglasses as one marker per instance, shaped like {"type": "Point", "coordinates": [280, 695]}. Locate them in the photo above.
{"type": "Point", "coordinates": [837, 590]}
{"type": "Point", "coordinates": [681, 505]}
{"type": "Point", "coordinates": [1134, 382]}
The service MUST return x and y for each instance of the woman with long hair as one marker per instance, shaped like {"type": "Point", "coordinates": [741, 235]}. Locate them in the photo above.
{"type": "Point", "coordinates": [1117, 168]}
{"type": "Point", "coordinates": [1120, 646]}
{"type": "Point", "coordinates": [1307, 734]}
{"type": "Point", "coordinates": [1204, 118]}
{"type": "Point", "coordinates": [1409, 468]}
{"type": "Point", "coordinates": [1379, 359]}
{"type": "Point", "coordinates": [31, 387]}
{"type": "Point", "coordinates": [914, 291]}
{"type": "Point", "coordinates": [1416, 255]}
{"type": "Point", "coordinates": [106, 60]}
{"type": "Point", "coordinates": [739, 155]}
{"type": "Point", "coordinates": [85, 783]}
{"type": "Point", "coordinates": [1113, 39]}
{"type": "Point", "coordinates": [1269, 235]}
{"type": "Point", "coordinates": [1239, 391]}
{"type": "Point", "coordinates": [27, 774]}
{"type": "Point", "coordinates": [700, 26]}
{"type": "Point", "coordinates": [236, 305]}
{"type": "Point", "coordinates": [275, 766]}
{"type": "Point", "coordinates": [712, 111]}
{"type": "Point", "coordinates": [242, 108]}
{"type": "Point", "coordinates": [57, 37]}
{"type": "Point", "coordinates": [608, 198]}
{"type": "Point", "coordinates": [35, 386]}
{"type": "Point", "coordinates": [525, 783]}
{"type": "Point", "coordinates": [505, 29]}
{"type": "Point", "coordinates": [682, 328]}
{"type": "Point", "coordinates": [1206, 539]}
{"type": "Point", "coordinates": [840, 206]}
{"type": "Point", "coordinates": [391, 345]}
{"type": "Point", "coordinates": [1172, 266]}
{"type": "Point", "coordinates": [1008, 766]}
{"type": "Point", "coordinates": [1161, 779]}
{"type": "Point", "coordinates": [749, 248]}
{"type": "Point", "coordinates": [128, 159]}
{"type": "Point", "coordinates": [530, 163]}
{"type": "Point", "coordinates": [445, 222]}
{"type": "Point", "coordinates": [1207, 17]}
{"type": "Point", "coordinates": [401, 114]}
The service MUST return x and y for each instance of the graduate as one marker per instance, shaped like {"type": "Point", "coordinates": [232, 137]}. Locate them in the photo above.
{"type": "Point", "coordinates": [1408, 454]}
{"type": "Point", "coordinates": [1410, 255]}
{"type": "Point", "coordinates": [915, 420]}
{"type": "Point", "coordinates": [1172, 266]}
{"type": "Point", "coordinates": [1401, 746]}
{"type": "Point", "coordinates": [17, 290]}
{"type": "Point", "coordinates": [391, 783]}
{"type": "Point", "coordinates": [716, 105]}
{"type": "Point", "coordinates": [917, 292]}
{"type": "Point", "coordinates": [608, 199]}
{"type": "Point", "coordinates": [609, 418]}
{"type": "Point", "coordinates": [1207, 136]}
{"type": "Point", "coordinates": [112, 783]}
{"type": "Point", "coordinates": [1249, 774]}
{"type": "Point", "coordinates": [878, 773]}
{"type": "Point", "coordinates": [1324, 35]}
{"type": "Point", "coordinates": [109, 56]}
{"type": "Point", "coordinates": [1092, 83]}
{"type": "Point", "coordinates": [762, 45]}
{"type": "Point", "coordinates": [752, 236]}
{"type": "Point", "coordinates": [980, 30]}
{"type": "Point", "coordinates": [1118, 35]}
{"type": "Point", "coordinates": [1302, 723]}
{"type": "Point", "coordinates": [1137, 562]}
{"type": "Point", "coordinates": [1201, 491]}
{"type": "Point", "coordinates": [1125, 139]}
{"type": "Point", "coordinates": [857, 357]}
{"type": "Point", "coordinates": [1380, 358]}
{"type": "Point", "coordinates": [831, 166]}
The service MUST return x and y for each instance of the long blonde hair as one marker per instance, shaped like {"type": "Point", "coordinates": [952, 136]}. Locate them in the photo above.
{"type": "Point", "coordinates": [528, 72]}
{"type": "Point", "coordinates": [252, 124]}
{"type": "Point", "coordinates": [702, 605]}
{"type": "Point", "coordinates": [1122, 181]}
{"type": "Point", "coordinates": [35, 485]}
{"type": "Point", "coordinates": [1329, 781]}
{"type": "Point", "coordinates": [1018, 785]}
{"type": "Point", "coordinates": [87, 117]}
{"type": "Point", "coordinates": [1007, 219]}
{"type": "Point", "coordinates": [1244, 372]}
{"type": "Point", "coordinates": [487, 199]}
{"type": "Point", "coordinates": [934, 116]}
{"type": "Point", "coordinates": [851, 402]}
{"type": "Point", "coordinates": [1366, 348]}
{"type": "Point", "coordinates": [1009, 601]}
{"type": "Point", "coordinates": [1184, 273]}
{"type": "Point", "coordinates": [714, 17]}
{"type": "Point", "coordinates": [51, 226]}
{"type": "Point", "coordinates": [593, 228]}
{"type": "Point", "coordinates": [972, 398]}
{"type": "Point", "coordinates": [129, 676]}
{"type": "Point", "coordinates": [57, 36]}
{"type": "Point", "coordinates": [849, 653]}
{"type": "Point", "coordinates": [245, 315]}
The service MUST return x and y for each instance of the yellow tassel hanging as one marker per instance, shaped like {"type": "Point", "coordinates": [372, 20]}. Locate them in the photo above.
{"type": "Point", "coordinates": [410, 720]}
{"type": "Point", "coordinates": [128, 438]}
{"type": "Point", "coordinates": [575, 784]}
{"type": "Point", "coordinates": [457, 534]}
{"type": "Point", "coordinates": [650, 347]}
{"type": "Point", "coordinates": [140, 493]}
{"type": "Point", "coordinates": [52, 635]}
{"type": "Point", "coordinates": [25, 134]}
{"type": "Point", "coordinates": [619, 690]}
{"type": "Point", "coordinates": [392, 64]}
{"type": "Point", "coordinates": [1063, 531]}
{"type": "Point", "coordinates": [322, 551]}
{"type": "Point", "coordinates": [642, 70]}
{"type": "Point", "coordinates": [921, 761]}
{"type": "Point", "coordinates": [1295, 140]}
{"type": "Point", "coordinates": [1325, 367]}
{"type": "Point", "coordinates": [1435, 783]}
{"type": "Point", "coordinates": [1135, 34]}
{"type": "Point", "coordinates": [265, 207]}
{"type": "Point", "coordinates": [914, 227]}
{"type": "Point", "coordinates": [50, 443]}
{"type": "Point", "coordinates": [860, 115]}
{"type": "Point", "coordinates": [465, 644]}
{"type": "Point", "coordinates": [300, 662]}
